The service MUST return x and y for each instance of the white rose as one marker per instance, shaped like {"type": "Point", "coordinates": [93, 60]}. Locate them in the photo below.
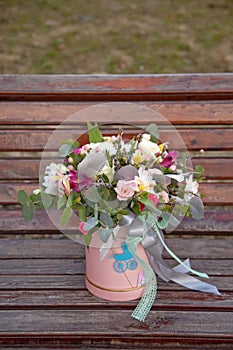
{"type": "Point", "coordinates": [148, 147]}
{"type": "Point", "coordinates": [108, 171]}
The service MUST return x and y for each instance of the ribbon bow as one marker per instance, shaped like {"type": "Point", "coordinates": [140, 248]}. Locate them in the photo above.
{"type": "Point", "coordinates": [149, 233]}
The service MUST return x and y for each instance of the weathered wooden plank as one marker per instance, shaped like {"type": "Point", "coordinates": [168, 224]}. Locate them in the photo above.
{"type": "Point", "coordinates": [179, 299]}
{"type": "Point", "coordinates": [75, 282]}
{"type": "Point", "coordinates": [116, 87]}
{"type": "Point", "coordinates": [53, 113]}
{"type": "Point", "coordinates": [218, 139]}
{"type": "Point", "coordinates": [217, 221]}
{"type": "Point", "coordinates": [45, 342]}
{"type": "Point", "coordinates": [77, 266]}
{"type": "Point", "coordinates": [116, 323]}
{"type": "Point", "coordinates": [215, 193]}
{"type": "Point", "coordinates": [28, 169]}
{"type": "Point", "coordinates": [66, 248]}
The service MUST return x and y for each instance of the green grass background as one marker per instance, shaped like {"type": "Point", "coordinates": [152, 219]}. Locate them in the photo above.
{"type": "Point", "coordinates": [108, 36]}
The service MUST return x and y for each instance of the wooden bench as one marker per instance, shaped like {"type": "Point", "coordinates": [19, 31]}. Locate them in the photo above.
{"type": "Point", "coordinates": [43, 299]}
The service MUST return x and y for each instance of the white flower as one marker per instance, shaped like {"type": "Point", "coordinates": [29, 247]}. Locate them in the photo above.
{"type": "Point", "coordinates": [54, 174]}
{"type": "Point", "coordinates": [125, 147]}
{"type": "Point", "coordinates": [103, 147]}
{"type": "Point", "coordinates": [146, 136]}
{"type": "Point", "coordinates": [148, 147]}
{"type": "Point", "coordinates": [108, 171]}
{"type": "Point", "coordinates": [145, 181]}
{"type": "Point", "coordinates": [191, 188]}
{"type": "Point", "coordinates": [37, 191]}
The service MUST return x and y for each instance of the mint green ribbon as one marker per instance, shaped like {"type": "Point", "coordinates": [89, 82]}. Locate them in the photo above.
{"type": "Point", "coordinates": [150, 288]}
{"type": "Point", "coordinates": [147, 230]}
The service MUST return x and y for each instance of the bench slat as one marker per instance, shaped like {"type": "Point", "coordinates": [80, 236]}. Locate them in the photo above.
{"type": "Point", "coordinates": [54, 113]}
{"type": "Point", "coordinates": [67, 249]}
{"type": "Point", "coordinates": [116, 87]}
{"type": "Point", "coordinates": [185, 299]}
{"type": "Point", "coordinates": [100, 323]}
{"type": "Point", "coordinates": [77, 266]}
{"type": "Point", "coordinates": [194, 139]}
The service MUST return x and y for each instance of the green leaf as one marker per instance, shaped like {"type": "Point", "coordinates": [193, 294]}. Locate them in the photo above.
{"type": "Point", "coordinates": [64, 150]}
{"type": "Point", "coordinates": [152, 129]}
{"type": "Point", "coordinates": [106, 219]}
{"type": "Point", "coordinates": [61, 202]}
{"type": "Point", "coordinates": [66, 216]}
{"type": "Point", "coordinates": [104, 192]}
{"type": "Point", "coordinates": [28, 211]}
{"type": "Point", "coordinates": [28, 207]}
{"type": "Point", "coordinates": [23, 197]}
{"type": "Point", "coordinates": [82, 214]}
{"type": "Point", "coordinates": [93, 195]}
{"type": "Point", "coordinates": [104, 234]}
{"type": "Point", "coordinates": [94, 133]}
{"type": "Point", "coordinates": [92, 222]}
{"type": "Point", "coordinates": [87, 238]}
{"type": "Point", "coordinates": [47, 200]}
{"type": "Point", "coordinates": [70, 200]}
{"type": "Point", "coordinates": [67, 147]}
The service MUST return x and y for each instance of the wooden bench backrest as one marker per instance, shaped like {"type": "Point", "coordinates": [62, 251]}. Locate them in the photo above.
{"type": "Point", "coordinates": [199, 106]}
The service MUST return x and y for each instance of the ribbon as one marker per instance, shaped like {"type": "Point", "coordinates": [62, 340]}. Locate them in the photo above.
{"type": "Point", "coordinates": [149, 233]}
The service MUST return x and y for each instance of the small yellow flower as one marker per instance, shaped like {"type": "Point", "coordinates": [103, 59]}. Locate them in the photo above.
{"type": "Point", "coordinates": [161, 146]}
{"type": "Point", "coordinates": [137, 157]}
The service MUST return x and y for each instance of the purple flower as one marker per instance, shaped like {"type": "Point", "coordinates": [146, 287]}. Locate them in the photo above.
{"type": "Point", "coordinates": [77, 150]}
{"type": "Point", "coordinates": [169, 159]}
{"type": "Point", "coordinates": [84, 181]}
{"type": "Point", "coordinates": [73, 180]}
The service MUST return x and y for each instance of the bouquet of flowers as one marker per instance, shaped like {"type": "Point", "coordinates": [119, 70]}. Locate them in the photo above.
{"type": "Point", "coordinates": [110, 182]}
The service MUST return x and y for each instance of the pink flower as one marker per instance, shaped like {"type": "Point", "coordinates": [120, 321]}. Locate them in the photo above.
{"type": "Point", "coordinates": [153, 198]}
{"type": "Point", "coordinates": [77, 150]}
{"type": "Point", "coordinates": [169, 159]}
{"type": "Point", "coordinates": [81, 228]}
{"type": "Point", "coordinates": [73, 180]}
{"type": "Point", "coordinates": [125, 190]}
{"type": "Point", "coordinates": [164, 196]}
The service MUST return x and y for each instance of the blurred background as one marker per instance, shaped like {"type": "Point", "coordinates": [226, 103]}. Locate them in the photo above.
{"type": "Point", "coordinates": [116, 37]}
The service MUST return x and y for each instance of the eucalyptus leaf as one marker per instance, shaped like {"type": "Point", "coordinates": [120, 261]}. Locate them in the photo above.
{"type": "Point", "coordinates": [82, 214]}
{"type": "Point", "coordinates": [28, 211]}
{"type": "Point", "coordinates": [61, 202]}
{"type": "Point", "coordinates": [70, 199]}
{"type": "Point", "coordinates": [64, 150]}
{"type": "Point", "coordinates": [47, 200]}
{"type": "Point", "coordinates": [66, 216]}
{"type": "Point", "coordinates": [92, 222]}
{"type": "Point", "coordinates": [104, 234]}
{"type": "Point", "coordinates": [92, 194]}
{"type": "Point", "coordinates": [87, 238]}
{"type": "Point", "coordinates": [106, 219]}
{"type": "Point", "coordinates": [23, 197]}
{"type": "Point", "coordinates": [152, 129]}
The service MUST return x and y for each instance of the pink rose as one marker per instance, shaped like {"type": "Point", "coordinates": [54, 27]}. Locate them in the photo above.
{"type": "Point", "coordinates": [125, 189]}
{"type": "Point", "coordinates": [153, 198]}
{"type": "Point", "coordinates": [81, 228]}
{"type": "Point", "coordinates": [164, 196]}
